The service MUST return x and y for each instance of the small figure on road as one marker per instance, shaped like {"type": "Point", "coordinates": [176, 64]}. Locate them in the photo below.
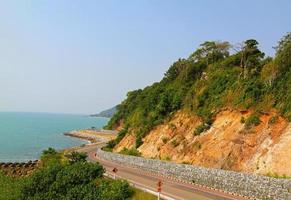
{"type": "Point", "coordinates": [115, 170]}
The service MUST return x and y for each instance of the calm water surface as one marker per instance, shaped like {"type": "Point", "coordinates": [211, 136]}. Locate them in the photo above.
{"type": "Point", "coordinates": [23, 136]}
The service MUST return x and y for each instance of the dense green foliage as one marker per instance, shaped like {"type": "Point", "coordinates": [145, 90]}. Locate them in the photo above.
{"type": "Point", "coordinates": [10, 187]}
{"type": "Point", "coordinates": [130, 152]}
{"type": "Point", "coordinates": [76, 157]}
{"type": "Point", "coordinates": [253, 120]}
{"type": "Point", "coordinates": [50, 156]}
{"type": "Point", "coordinates": [201, 128]}
{"type": "Point", "coordinates": [210, 79]}
{"type": "Point", "coordinates": [64, 178]}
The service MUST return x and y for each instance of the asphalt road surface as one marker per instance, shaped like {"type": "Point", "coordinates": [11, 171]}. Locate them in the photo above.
{"type": "Point", "coordinates": [171, 188]}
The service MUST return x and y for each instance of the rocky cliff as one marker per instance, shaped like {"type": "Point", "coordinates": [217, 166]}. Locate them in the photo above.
{"type": "Point", "coordinates": [214, 109]}
{"type": "Point", "coordinates": [228, 144]}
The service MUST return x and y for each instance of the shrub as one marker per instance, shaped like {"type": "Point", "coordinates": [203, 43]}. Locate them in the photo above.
{"type": "Point", "coordinates": [138, 141]}
{"type": "Point", "coordinates": [10, 188]}
{"type": "Point", "coordinates": [165, 139]}
{"type": "Point", "coordinates": [107, 149]}
{"type": "Point", "coordinates": [67, 180]}
{"type": "Point", "coordinates": [167, 158]}
{"type": "Point", "coordinates": [114, 190]}
{"type": "Point", "coordinates": [242, 120]}
{"type": "Point", "coordinates": [201, 128]}
{"type": "Point", "coordinates": [253, 120]}
{"type": "Point", "coordinates": [57, 181]}
{"type": "Point", "coordinates": [50, 157]}
{"type": "Point", "coordinates": [175, 143]}
{"type": "Point", "coordinates": [130, 152]}
{"type": "Point", "coordinates": [112, 143]}
{"type": "Point", "coordinates": [197, 145]}
{"type": "Point", "coordinates": [76, 157]}
{"type": "Point", "coordinates": [173, 126]}
{"type": "Point", "coordinates": [186, 163]}
{"type": "Point", "coordinates": [273, 120]}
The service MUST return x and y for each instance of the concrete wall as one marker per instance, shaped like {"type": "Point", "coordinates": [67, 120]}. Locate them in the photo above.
{"type": "Point", "coordinates": [249, 185]}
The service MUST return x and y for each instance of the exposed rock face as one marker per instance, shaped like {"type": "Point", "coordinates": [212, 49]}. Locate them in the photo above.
{"type": "Point", "coordinates": [127, 142]}
{"type": "Point", "coordinates": [227, 144]}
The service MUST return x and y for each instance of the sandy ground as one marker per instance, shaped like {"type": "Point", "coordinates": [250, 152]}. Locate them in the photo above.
{"type": "Point", "coordinates": [94, 138]}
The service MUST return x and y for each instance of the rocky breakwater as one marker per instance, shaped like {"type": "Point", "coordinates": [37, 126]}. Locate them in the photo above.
{"type": "Point", "coordinates": [245, 184]}
{"type": "Point", "coordinates": [18, 169]}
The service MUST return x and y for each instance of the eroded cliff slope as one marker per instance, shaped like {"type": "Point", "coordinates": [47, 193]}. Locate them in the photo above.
{"type": "Point", "coordinates": [228, 144]}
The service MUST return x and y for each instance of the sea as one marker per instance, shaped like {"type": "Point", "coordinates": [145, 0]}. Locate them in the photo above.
{"type": "Point", "coordinates": [23, 136]}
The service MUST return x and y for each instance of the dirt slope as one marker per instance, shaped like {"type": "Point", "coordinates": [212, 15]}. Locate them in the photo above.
{"type": "Point", "coordinates": [263, 149]}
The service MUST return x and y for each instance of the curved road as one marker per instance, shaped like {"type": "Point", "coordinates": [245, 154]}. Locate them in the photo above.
{"type": "Point", "coordinates": [171, 188]}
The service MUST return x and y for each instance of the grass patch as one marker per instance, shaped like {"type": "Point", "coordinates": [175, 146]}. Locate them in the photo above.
{"type": "Point", "coordinates": [130, 152]}
{"type": "Point", "coordinates": [141, 195]}
{"type": "Point", "coordinates": [275, 175]}
{"type": "Point", "coordinates": [107, 149]}
{"type": "Point", "coordinates": [167, 158]}
{"type": "Point", "coordinates": [10, 187]}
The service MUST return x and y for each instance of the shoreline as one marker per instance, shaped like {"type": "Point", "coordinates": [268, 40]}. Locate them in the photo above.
{"type": "Point", "coordinates": [92, 136]}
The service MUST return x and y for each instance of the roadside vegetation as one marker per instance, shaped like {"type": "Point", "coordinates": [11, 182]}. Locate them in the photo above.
{"type": "Point", "coordinates": [215, 76]}
{"type": "Point", "coordinates": [10, 188]}
{"type": "Point", "coordinates": [275, 175]}
{"type": "Point", "coordinates": [141, 195]}
{"type": "Point", "coordinates": [130, 152]}
{"type": "Point", "coordinates": [64, 177]}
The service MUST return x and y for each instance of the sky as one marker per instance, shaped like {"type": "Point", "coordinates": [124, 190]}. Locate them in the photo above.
{"type": "Point", "coordinates": [74, 56]}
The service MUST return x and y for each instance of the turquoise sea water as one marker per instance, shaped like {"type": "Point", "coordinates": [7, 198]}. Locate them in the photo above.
{"type": "Point", "coordinates": [23, 136]}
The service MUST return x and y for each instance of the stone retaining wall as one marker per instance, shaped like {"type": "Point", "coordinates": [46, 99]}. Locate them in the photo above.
{"type": "Point", "coordinates": [249, 185]}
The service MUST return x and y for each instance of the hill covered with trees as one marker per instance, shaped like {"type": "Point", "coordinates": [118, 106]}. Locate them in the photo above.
{"type": "Point", "coordinates": [215, 77]}
{"type": "Point", "coordinates": [106, 113]}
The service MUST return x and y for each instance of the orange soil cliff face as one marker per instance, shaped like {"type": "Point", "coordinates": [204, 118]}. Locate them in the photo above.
{"type": "Point", "coordinates": [227, 144]}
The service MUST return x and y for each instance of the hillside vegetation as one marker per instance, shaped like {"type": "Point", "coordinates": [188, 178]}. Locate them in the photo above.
{"type": "Point", "coordinates": [214, 77]}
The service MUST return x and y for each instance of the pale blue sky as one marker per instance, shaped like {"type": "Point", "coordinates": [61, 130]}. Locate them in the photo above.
{"type": "Point", "coordinates": [83, 56]}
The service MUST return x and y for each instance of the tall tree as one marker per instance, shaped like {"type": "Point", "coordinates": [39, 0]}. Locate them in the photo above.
{"type": "Point", "coordinates": [250, 57]}
{"type": "Point", "coordinates": [211, 51]}
{"type": "Point", "coordinates": [283, 54]}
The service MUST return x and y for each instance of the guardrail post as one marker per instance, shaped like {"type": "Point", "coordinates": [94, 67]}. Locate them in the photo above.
{"type": "Point", "coordinates": [159, 189]}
